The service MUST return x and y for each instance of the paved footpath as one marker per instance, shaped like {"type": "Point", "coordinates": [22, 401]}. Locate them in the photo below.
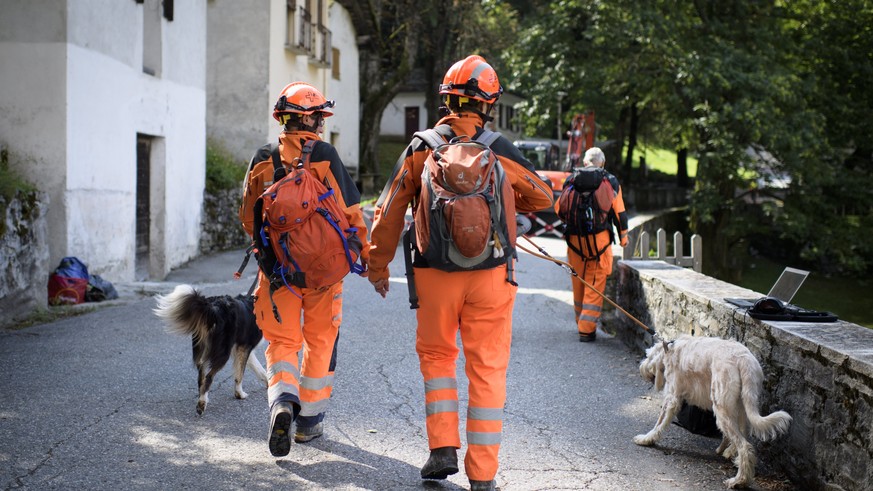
{"type": "Point", "coordinates": [106, 400]}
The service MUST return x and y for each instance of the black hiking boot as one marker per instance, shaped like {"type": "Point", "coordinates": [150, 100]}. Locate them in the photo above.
{"type": "Point", "coordinates": [482, 485]}
{"type": "Point", "coordinates": [442, 463]}
{"type": "Point", "coordinates": [587, 337]}
{"type": "Point", "coordinates": [308, 433]}
{"type": "Point", "coordinates": [281, 417]}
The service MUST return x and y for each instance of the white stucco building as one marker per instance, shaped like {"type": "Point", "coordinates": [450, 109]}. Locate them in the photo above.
{"type": "Point", "coordinates": [256, 48]}
{"type": "Point", "coordinates": [103, 107]}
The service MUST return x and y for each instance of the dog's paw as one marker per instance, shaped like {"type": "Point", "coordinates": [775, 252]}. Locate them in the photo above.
{"type": "Point", "coordinates": [734, 483]}
{"type": "Point", "coordinates": [644, 440]}
{"type": "Point", "coordinates": [730, 452]}
{"type": "Point", "coordinates": [201, 406]}
{"type": "Point", "coordinates": [240, 394]}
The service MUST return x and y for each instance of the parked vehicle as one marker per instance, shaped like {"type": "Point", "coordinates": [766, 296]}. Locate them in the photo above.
{"type": "Point", "coordinates": [545, 157]}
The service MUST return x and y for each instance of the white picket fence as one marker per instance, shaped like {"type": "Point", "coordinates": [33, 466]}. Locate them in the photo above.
{"type": "Point", "coordinates": [695, 260]}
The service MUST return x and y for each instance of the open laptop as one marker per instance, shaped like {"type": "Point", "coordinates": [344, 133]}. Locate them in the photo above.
{"type": "Point", "coordinates": [784, 289]}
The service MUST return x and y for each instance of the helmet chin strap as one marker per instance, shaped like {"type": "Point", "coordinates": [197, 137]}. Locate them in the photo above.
{"type": "Point", "coordinates": [300, 125]}
{"type": "Point", "coordinates": [486, 116]}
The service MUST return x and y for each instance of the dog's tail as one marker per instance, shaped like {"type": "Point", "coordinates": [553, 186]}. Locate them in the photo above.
{"type": "Point", "coordinates": [762, 427]}
{"type": "Point", "coordinates": [185, 311]}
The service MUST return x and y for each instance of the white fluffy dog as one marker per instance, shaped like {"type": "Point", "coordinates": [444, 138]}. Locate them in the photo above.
{"type": "Point", "coordinates": [718, 375]}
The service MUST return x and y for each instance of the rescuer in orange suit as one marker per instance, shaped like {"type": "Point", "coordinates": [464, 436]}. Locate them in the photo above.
{"type": "Point", "coordinates": [478, 303]}
{"type": "Point", "coordinates": [302, 394]}
{"type": "Point", "coordinates": [587, 304]}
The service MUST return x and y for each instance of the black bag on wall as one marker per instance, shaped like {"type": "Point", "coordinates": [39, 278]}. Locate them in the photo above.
{"type": "Point", "coordinates": [698, 421]}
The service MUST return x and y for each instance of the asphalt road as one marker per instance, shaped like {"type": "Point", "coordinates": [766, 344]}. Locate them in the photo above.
{"type": "Point", "coordinates": [106, 400]}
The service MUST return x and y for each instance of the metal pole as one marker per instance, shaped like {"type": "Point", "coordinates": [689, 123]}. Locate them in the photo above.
{"type": "Point", "coordinates": [561, 95]}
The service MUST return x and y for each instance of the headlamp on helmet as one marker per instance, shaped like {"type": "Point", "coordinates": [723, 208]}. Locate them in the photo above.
{"type": "Point", "coordinates": [301, 98]}
{"type": "Point", "coordinates": [472, 77]}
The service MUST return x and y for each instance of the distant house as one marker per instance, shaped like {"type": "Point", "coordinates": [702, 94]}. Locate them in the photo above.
{"type": "Point", "coordinates": [406, 113]}
{"type": "Point", "coordinates": [104, 109]}
{"type": "Point", "coordinates": [256, 48]}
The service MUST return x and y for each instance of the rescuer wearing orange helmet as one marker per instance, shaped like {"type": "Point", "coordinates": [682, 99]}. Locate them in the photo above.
{"type": "Point", "coordinates": [590, 255]}
{"type": "Point", "coordinates": [302, 394]}
{"type": "Point", "coordinates": [477, 303]}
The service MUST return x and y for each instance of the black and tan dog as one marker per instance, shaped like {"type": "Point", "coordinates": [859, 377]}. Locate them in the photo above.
{"type": "Point", "coordinates": [218, 326]}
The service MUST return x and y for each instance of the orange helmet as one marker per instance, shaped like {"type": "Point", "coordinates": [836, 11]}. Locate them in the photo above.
{"type": "Point", "coordinates": [301, 98]}
{"type": "Point", "coordinates": [472, 77]}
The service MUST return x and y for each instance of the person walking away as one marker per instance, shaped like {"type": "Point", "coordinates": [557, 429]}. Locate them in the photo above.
{"type": "Point", "coordinates": [477, 301]}
{"type": "Point", "coordinates": [301, 394]}
{"type": "Point", "coordinates": [589, 248]}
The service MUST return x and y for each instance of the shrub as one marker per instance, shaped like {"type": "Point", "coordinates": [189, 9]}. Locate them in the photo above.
{"type": "Point", "coordinates": [10, 181]}
{"type": "Point", "coordinates": [223, 171]}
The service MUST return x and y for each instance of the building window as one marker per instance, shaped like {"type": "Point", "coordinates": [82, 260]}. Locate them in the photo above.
{"type": "Point", "coordinates": [298, 27]}
{"type": "Point", "coordinates": [151, 38]}
{"type": "Point", "coordinates": [322, 53]}
{"type": "Point", "coordinates": [513, 121]}
{"type": "Point", "coordinates": [168, 9]}
{"type": "Point", "coordinates": [290, 21]}
{"type": "Point", "coordinates": [335, 66]}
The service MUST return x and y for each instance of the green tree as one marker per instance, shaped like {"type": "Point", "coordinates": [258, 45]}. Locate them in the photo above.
{"type": "Point", "coordinates": [720, 79]}
{"type": "Point", "coordinates": [393, 43]}
{"type": "Point", "coordinates": [827, 215]}
{"type": "Point", "coordinates": [388, 40]}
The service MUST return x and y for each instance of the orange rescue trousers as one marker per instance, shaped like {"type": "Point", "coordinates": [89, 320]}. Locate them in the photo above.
{"type": "Point", "coordinates": [587, 304]}
{"type": "Point", "coordinates": [479, 305]}
{"type": "Point", "coordinates": [309, 386]}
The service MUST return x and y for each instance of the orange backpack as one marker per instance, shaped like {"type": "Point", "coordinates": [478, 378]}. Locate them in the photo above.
{"type": "Point", "coordinates": [259, 176]}
{"type": "Point", "coordinates": [465, 214]}
{"type": "Point", "coordinates": [301, 232]}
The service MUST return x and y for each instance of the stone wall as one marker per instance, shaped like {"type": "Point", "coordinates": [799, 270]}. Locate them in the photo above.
{"type": "Point", "coordinates": [24, 256]}
{"type": "Point", "coordinates": [821, 373]}
{"type": "Point", "coordinates": [221, 230]}
{"type": "Point", "coordinates": [24, 253]}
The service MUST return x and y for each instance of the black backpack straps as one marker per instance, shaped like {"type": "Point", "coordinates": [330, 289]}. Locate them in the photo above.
{"type": "Point", "coordinates": [258, 223]}
{"type": "Point", "coordinates": [278, 169]}
{"type": "Point", "coordinates": [245, 262]}
{"type": "Point", "coordinates": [306, 152]}
{"type": "Point", "coordinates": [408, 246]}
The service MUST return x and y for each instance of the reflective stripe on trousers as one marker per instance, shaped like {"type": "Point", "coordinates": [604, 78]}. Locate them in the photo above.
{"type": "Point", "coordinates": [479, 305]}
{"type": "Point", "coordinates": [587, 304]}
{"type": "Point", "coordinates": [317, 335]}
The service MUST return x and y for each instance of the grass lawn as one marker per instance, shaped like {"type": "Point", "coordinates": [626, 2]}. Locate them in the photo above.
{"type": "Point", "coordinates": [389, 152]}
{"type": "Point", "coordinates": [663, 160]}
